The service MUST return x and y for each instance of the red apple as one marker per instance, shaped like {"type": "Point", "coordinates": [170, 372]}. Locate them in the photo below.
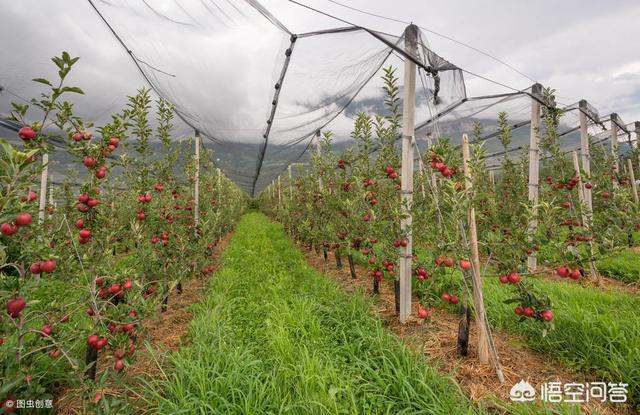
{"type": "Point", "coordinates": [513, 278]}
{"type": "Point", "coordinates": [563, 271]}
{"type": "Point", "coordinates": [35, 268]}
{"type": "Point", "coordinates": [8, 229]}
{"type": "Point", "coordinates": [27, 133]}
{"type": "Point", "coordinates": [15, 306]}
{"type": "Point", "coordinates": [48, 266]}
{"type": "Point", "coordinates": [547, 315]}
{"type": "Point", "coordinates": [23, 219]}
{"type": "Point", "coordinates": [89, 161]}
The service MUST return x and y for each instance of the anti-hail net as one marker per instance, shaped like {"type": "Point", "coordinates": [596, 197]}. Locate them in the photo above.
{"type": "Point", "coordinates": [256, 90]}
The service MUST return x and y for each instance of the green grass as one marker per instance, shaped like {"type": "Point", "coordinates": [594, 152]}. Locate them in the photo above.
{"type": "Point", "coordinates": [274, 336]}
{"type": "Point", "coordinates": [624, 266]}
{"type": "Point", "coordinates": [595, 331]}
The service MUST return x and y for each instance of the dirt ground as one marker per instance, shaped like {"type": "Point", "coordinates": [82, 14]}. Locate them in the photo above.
{"type": "Point", "coordinates": [164, 333]}
{"type": "Point", "coordinates": [436, 338]}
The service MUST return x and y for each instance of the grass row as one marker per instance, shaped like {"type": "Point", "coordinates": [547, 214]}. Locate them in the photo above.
{"type": "Point", "coordinates": [274, 336]}
{"type": "Point", "coordinates": [623, 266]}
{"type": "Point", "coordinates": [597, 332]}
{"type": "Point", "coordinates": [594, 331]}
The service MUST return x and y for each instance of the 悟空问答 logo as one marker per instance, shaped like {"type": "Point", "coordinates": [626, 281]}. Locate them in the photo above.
{"type": "Point", "coordinates": [522, 392]}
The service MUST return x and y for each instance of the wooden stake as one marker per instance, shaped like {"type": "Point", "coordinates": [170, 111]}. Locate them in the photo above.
{"type": "Point", "coordinates": [408, 130]}
{"type": "Point", "coordinates": [478, 300]}
{"type": "Point", "coordinates": [492, 177]}
{"type": "Point", "coordinates": [632, 176]}
{"type": "Point", "coordinates": [534, 170]}
{"type": "Point", "coordinates": [43, 187]}
{"type": "Point", "coordinates": [196, 185]}
{"type": "Point", "coordinates": [576, 167]}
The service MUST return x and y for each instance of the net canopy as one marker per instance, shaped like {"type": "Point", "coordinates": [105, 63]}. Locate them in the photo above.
{"type": "Point", "coordinates": [255, 89]}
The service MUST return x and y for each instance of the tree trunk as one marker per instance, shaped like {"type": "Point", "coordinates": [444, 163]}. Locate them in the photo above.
{"type": "Point", "coordinates": [338, 258]}
{"type": "Point", "coordinates": [376, 286]}
{"type": "Point", "coordinates": [91, 358]}
{"type": "Point", "coordinates": [352, 268]}
{"type": "Point", "coordinates": [463, 330]}
{"type": "Point", "coordinates": [165, 300]}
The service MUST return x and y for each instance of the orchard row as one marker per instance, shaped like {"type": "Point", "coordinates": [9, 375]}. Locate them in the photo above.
{"type": "Point", "coordinates": [350, 203]}
{"type": "Point", "coordinates": [78, 285]}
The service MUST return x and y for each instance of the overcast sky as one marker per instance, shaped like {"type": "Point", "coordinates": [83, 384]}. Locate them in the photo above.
{"type": "Point", "coordinates": [225, 68]}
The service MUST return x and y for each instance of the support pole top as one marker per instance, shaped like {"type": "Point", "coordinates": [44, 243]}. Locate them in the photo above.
{"type": "Point", "coordinates": [536, 89]}
{"type": "Point", "coordinates": [411, 34]}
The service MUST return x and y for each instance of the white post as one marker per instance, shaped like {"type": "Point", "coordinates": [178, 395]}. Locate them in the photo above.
{"type": "Point", "coordinates": [586, 212]}
{"type": "Point", "coordinates": [581, 188]}
{"type": "Point", "coordinates": [406, 183]}
{"type": "Point", "coordinates": [614, 140]}
{"type": "Point", "coordinates": [492, 178]}
{"type": "Point", "coordinates": [586, 159]}
{"type": "Point", "coordinates": [290, 185]}
{"type": "Point", "coordinates": [43, 187]}
{"type": "Point", "coordinates": [196, 186]}
{"type": "Point", "coordinates": [478, 299]}
{"type": "Point", "coordinates": [637, 125]}
{"type": "Point", "coordinates": [219, 186]}
{"type": "Point", "coordinates": [534, 159]}
{"type": "Point", "coordinates": [319, 153]}
{"type": "Point", "coordinates": [279, 192]}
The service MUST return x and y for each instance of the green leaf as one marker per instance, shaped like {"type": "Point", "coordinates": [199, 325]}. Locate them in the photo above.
{"type": "Point", "coordinates": [42, 81]}
{"type": "Point", "coordinates": [59, 63]}
{"type": "Point", "coordinates": [73, 89]}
